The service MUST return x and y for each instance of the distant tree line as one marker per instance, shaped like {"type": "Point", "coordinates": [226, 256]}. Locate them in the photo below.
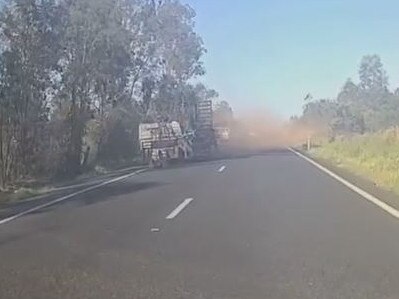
{"type": "Point", "coordinates": [78, 76]}
{"type": "Point", "coordinates": [223, 115]}
{"type": "Point", "coordinates": [368, 106]}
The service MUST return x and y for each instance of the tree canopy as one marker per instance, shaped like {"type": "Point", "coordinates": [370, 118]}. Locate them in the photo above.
{"type": "Point", "coordinates": [78, 76]}
{"type": "Point", "coordinates": [223, 114]}
{"type": "Point", "coordinates": [358, 108]}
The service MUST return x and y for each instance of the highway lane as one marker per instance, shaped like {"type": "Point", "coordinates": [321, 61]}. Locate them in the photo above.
{"type": "Point", "coordinates": [267, 226]}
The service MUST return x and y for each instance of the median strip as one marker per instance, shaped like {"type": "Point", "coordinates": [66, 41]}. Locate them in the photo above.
{"type": "Point", "coordinates": [387, 208]}
{"type": "Point", "coordinates": [179, 208]}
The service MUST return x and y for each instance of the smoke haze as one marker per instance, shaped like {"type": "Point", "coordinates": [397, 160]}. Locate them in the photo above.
{"type": "Point", "coordinates": [261, 130]}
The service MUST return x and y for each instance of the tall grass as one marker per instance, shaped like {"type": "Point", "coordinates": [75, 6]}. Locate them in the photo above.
{"type": "Point", "coordinates": [375, 156]}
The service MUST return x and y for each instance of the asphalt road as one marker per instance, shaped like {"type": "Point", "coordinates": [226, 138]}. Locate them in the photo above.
{"type": "Point", "coordinates": [267, 226]}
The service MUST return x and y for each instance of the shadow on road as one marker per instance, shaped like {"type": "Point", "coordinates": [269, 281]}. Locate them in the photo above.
{"type": "Point", "coordinates": [113, 191]}
{"type": "Point", "coordinates": [105, 193]}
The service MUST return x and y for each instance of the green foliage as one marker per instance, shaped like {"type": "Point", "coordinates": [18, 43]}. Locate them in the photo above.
{"type": "Point", "coordinates": [77, 77]}
{"type": "Point", "coordinates": [372, 74]}
{"type": "Point", "coordinates": [366, 107]}
{"type": "Point", "coordinates": [363, 122]}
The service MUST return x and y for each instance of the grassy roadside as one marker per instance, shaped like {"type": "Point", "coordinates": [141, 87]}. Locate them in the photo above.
{"type": "Point", "coordinates": [374, 156]}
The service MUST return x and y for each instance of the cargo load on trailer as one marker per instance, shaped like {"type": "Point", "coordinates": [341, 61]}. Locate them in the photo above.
{"type": "Point", "coordinates": [205, 143]}
{"type": "Point", "coordinates": [163, 142]}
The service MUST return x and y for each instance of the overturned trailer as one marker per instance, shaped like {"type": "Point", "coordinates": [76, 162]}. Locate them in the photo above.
{"type": "Point", "coordinates": [163, 142]}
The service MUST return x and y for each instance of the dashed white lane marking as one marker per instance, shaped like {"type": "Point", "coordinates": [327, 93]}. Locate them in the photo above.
{"type": "Point", "coordinates": [179, 208]}
{"type": "Point", "coordinates": [387, 208]}
{"type": "Point", "coordinates": [69, 196]}
{"type": "Point", "coordinates": [221, 169]}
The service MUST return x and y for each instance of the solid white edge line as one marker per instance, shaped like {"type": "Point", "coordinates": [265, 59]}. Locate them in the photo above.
{"type": "Point", "coordinates": [179, 208]}
{"type": "Point", "coordinates": [63, 198]}
{"type": "Point", "coordinates": [387, 208]}
{"type": "Point", "coordinates": [221, 169]}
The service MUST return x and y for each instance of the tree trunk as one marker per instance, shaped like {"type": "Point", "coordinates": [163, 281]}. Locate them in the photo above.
{"type": "Point", "coordinates": [75, 142]}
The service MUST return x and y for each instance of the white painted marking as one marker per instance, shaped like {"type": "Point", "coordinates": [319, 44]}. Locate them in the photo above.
{"type": "Point", "coordinates": [387, 208]}
{"type": "Point", "coordinates": [155, 230]}
{"type": "Point", "coordinates": [72, 186]}
{"type": "Point", "coordinates": [221, 169]}
{"type": "Point", "coordinates": [179, 208]}
{"type": "Point", "coordinates": [69, 196]}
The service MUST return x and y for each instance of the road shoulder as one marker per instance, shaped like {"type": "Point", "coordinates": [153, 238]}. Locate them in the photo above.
{"type": "Point", "coordinates": [384, 195]}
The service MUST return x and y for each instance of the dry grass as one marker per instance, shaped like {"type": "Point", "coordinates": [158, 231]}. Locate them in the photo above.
{"type": "Point", "coordinates": [375, 156]}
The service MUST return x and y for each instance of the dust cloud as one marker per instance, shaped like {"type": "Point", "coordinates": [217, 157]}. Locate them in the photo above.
{"type": "Point", "coordinates": [261, 131]}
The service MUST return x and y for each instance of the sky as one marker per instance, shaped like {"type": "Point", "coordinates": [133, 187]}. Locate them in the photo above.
{"type": "Point", "coordinates": [268, 54]}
